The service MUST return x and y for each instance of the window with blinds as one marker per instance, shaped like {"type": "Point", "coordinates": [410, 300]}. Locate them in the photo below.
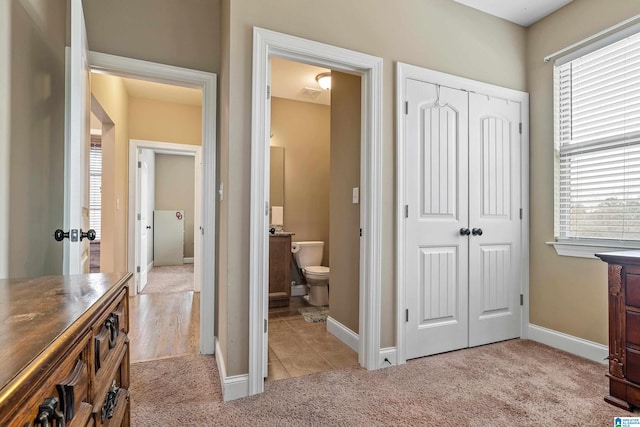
{"type": "Point", "coordinates": [95, 186]}
{"type": "Point", "coordinates": [597, 136]}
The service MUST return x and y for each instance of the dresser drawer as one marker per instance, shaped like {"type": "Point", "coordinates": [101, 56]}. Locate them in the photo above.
{"type": "Point", "coordinates": [109, 333]}
{"type": "Point", "coordinates": [632, 326]}
{"type": "Point", "coordinates": [633, 289]}
{"type": "Point", "coordinates": [112, 401]}
{"type": "Point", "coordinates": [65, 390]}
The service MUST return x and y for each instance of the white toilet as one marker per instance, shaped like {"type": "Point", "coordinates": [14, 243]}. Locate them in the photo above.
{"type": "Point", "coordinates": [309, 257]}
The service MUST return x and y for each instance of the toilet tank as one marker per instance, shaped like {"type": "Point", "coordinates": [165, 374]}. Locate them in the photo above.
{"type": "Point", "coordinates": [309, 253]}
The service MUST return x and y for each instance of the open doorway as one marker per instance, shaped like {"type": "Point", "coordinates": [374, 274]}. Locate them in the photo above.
{"type": "Point", "coordinates": [204, 229]}
{"type": "Point", "coordinates": [315, 218]}
{"type": "Point", "coordinates": [267, 45]}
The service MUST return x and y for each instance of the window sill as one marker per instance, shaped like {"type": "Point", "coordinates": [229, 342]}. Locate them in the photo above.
{"type": "Point", "coordinates": [588, 250]}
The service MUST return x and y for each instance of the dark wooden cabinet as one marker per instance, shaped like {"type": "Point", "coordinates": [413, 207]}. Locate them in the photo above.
{"type": "Point", "coordinates": [64, 344]}
{"type": "Point", "coordinates": [279, 270]}
{"type": "Point", "coordinates": [624, 328]}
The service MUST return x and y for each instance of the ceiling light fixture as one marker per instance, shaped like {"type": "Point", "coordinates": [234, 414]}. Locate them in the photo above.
{"type": "Point", "coordinates": [324, 80]}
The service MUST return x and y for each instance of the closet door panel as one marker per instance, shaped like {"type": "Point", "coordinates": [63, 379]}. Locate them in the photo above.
{"type": "Point", "coordinates": [494, 204]}
{"type": "Point", "coordinates": [436, 254]}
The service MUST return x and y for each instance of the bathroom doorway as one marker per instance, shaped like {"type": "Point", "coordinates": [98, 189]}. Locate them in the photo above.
{"type": "Point", "coordinates": [315, 134]}
{"type": "Point", "coordinates": [268, 44]}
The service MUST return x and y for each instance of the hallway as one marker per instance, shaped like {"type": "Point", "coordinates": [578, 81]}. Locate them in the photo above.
{"type": "Point", "coordinates": [164, 323]}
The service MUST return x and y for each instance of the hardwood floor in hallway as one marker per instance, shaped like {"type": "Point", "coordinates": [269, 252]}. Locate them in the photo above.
{"type": "Point", "coordinates": [164, 325]}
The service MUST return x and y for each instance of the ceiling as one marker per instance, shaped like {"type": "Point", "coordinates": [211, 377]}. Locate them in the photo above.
{"type": "Point", "coordinates": [163, 92]}
{"type": "Point", "coordinates": [297, 81]}
{"type": "Point", "coordinates": [522, 12]}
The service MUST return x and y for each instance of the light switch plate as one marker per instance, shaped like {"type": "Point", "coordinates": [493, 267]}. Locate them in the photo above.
{"type": "Point", "coordinates": [356, 195]}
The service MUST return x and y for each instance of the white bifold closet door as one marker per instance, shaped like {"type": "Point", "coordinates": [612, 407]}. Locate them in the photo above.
{"type": "Point", "coordinates": [462, 231]}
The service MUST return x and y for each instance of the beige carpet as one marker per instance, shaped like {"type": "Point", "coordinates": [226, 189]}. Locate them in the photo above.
{"type": "Point", "coordinates": [169, 278]}
{"type": "Point", "coordinates": [514, 383]}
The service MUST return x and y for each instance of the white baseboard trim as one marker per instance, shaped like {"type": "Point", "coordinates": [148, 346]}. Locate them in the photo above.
{"type": "Point", "coordinates": [343, 333]}
{"type": "Point", "coordinates": [234, 387]}
{"type": "Point", "coordinates": [389, 353]}
{"type": "Point", "coordinates": [150, 266]}
{"type": "Point", "coordinates": [574, 345]}
{"type": "Point", "coordinates": [187, 260]}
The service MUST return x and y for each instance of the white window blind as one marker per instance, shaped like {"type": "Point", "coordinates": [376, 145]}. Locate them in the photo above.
{"type": "Point", "coordinates": [597, 135]}
{"type": "Point", "coordinates": [95, 186]}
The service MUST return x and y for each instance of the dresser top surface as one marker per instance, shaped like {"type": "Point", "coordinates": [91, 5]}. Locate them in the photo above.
{"type": "Point", "coordinates": [621, 256]}
{"type": "Point", "coordinates": [34, 312]}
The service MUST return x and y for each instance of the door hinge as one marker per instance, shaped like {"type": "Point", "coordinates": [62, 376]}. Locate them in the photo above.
{"type": "Point", "coordinates": [406, 211]}
{"type": "Point", "coordinates": [139, 164]}
{"type": "Point", "coordinates": [265, 326]}
{"type": "Point", "coordinates": [521, 299]}
{"type": "Point", "coordinates": [138, 269]}
{"type": "Point", "coordinates": [139, 217]}
{"type": "Point", "coordinates": [520, 128]}
{"type": "Point", "coordinates": [406, 315]}
{"type": "Point", "coordinates": [520, 213]}
{"type": "Point", "coordinates": [268, 92]}
{"type": "Point", "coordinates": [406, 107]}
{"type": "Point", "coordinates": [266, 208]}
{"type": "Point", "coordinates": [361, 232]}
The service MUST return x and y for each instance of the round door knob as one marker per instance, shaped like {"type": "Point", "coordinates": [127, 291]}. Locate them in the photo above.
{"type": "Point", "coordinates": [477, 231]}
{"type": "Point", "coordinates": [60, 235]}
{"type": "Point", "coordinates": [89, 234]}
{"type": "Point", "coordinates": [464, 232]}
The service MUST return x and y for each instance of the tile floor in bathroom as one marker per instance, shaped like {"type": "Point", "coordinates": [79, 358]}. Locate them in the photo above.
{"type": "Point", "coordinates": [298, 347]}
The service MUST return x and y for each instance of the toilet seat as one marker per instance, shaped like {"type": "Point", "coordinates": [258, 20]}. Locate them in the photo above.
{"type": "Point", "coordinates": [316, 272]}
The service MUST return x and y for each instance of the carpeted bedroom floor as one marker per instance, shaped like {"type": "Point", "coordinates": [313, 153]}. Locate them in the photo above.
{"type": "Point", "coordinates": [513, 383]}
{"type": "Point", "coordinates": [169, 278]}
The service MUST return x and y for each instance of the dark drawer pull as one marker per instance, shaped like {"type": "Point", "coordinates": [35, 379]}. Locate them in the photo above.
{"type": "Point", "coordinates": [48, 413]}
{"type": "Point", "coordinates": [110, 402]}
{"type": "Point", "coordinates": [113, 326]}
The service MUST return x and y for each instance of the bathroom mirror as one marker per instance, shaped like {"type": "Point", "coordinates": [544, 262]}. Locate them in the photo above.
{"type": "Point", "coordinates": [276, 194]}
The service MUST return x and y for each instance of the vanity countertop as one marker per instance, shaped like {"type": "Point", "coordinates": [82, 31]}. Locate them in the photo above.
{"type": "Point", "coordinates": [283, 233]}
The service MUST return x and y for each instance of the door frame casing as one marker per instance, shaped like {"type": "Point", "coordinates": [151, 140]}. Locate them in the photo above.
{"type": "Point", "coordinates": [406, 71]}
{"type": "Point", "coordinates": [133, 256]}
{"type": "Point", "coordinates": [161, 73]}
{"type": "Point", "coordinates": [266, 44]}
{"type": "Point", "coordinates": [5, 133]}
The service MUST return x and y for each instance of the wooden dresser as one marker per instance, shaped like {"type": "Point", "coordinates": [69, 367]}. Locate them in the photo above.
{"type": "Point", "coordinates": [64, 353]}
{"type": "Point", "coordinates": [624, 328]}
{"type": "Point", "coordinates": [279, 270]}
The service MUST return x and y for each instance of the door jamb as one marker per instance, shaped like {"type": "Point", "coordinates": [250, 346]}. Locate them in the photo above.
{"type": "Point", "coordinates": [403, 72]}
{"type": "Point", "coordinates": [268, 43]}
{"type": "Point", "coordinates": [5, 134]}
{"type": "Point", "coordinates": [161, 73]}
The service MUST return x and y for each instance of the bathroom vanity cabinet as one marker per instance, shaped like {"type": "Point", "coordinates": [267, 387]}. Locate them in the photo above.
{"type": "Point", "coordinates": [64, 351]}
{"type": "Point", "coordinates": [279, 270]}
{"type": "Point", "coordinates": [624, 328]}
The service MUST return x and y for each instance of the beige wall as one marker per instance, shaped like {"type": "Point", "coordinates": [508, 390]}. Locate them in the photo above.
{"type": "Point", "coordinates": [175, 32]}
{"type": "Point", "coordinates": [344, 297]}
{"type": "Point", "coordinates": [567, 294]}
{"type": "Point", "coordinates": [439, 34]}
{"type": "Point", "coordinates": [222, 167]}
{"type": "Point", "coordinates": [112, 95]}
{"type": "Point", "coordinates": [175, 190]}
{"type": "Point", "coordinates": [303, 129]}
{"type": "Point", "coordinates": [35, 163]}
{"type": "Point", "coordinates": [153, 120]}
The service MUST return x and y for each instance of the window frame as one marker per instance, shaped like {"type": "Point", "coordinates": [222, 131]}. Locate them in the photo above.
{"type": "Point", "coordinates": [582, 247]}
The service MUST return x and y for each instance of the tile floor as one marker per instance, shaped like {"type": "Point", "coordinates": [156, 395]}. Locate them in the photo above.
{"type": "Point", "coordinates": [298, 347]}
